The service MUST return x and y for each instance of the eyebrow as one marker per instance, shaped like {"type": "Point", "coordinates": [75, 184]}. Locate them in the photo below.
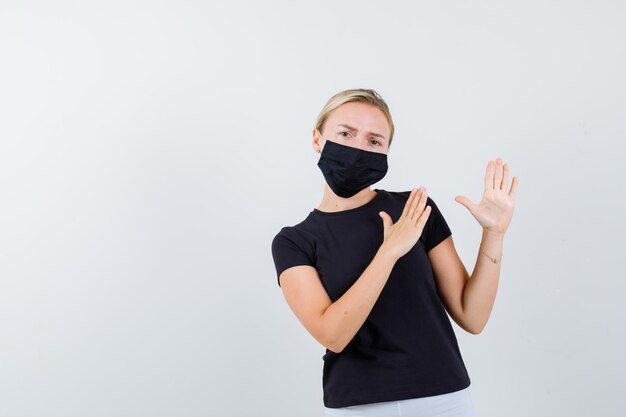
{"type": "Point", "coordinates": [378, 135]}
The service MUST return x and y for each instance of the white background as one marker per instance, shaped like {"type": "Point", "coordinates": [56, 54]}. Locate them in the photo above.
{"type": "Point", "coordinates": [150, 151]}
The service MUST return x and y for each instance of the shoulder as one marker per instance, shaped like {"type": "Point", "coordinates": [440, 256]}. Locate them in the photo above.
{"type": "Point", "coordinates": [296, 235]}
{"type": "Point", "coordinates": [287, 233]}
{"type": "Point", "coordinates": [403, 196]}
{"type": "Point", "coordinates": [290, 247]}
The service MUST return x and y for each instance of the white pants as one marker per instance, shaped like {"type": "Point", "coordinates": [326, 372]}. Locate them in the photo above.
{"type": "Point", "coordinates": [452, 404]}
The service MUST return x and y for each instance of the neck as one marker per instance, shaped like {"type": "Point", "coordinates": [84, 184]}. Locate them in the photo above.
{"type": "Point", "coordinates": [331, 202]}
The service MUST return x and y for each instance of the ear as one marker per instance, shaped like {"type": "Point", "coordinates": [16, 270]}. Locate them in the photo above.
{"type": "Point", "coordinates": [318, 142]}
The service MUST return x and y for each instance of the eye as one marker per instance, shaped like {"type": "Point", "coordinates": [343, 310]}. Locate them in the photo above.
{"type": "Point", "coordinates": [343, 131]}
{"type": "Point", "coordinates": [379, 144]}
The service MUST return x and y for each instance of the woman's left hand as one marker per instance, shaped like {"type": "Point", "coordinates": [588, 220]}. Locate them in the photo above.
{"type": "Point", "coordinates": [495, 210]}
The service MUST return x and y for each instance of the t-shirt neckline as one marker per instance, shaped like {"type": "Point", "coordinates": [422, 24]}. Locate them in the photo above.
{"type": "Point", "coordinates": [352, 210]}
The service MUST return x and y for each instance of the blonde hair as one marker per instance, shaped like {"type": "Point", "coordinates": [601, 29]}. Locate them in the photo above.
{"type": "Point", "coordinates": [360, 95]}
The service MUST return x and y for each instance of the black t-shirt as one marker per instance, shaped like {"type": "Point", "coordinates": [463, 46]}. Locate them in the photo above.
{"type": "Point", "coordinates": [406, 347]}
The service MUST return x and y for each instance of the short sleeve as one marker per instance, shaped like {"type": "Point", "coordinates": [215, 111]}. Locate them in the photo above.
{"type": "Point", "coordinates": [437, 227]}
{"type": "Point", "coordinates": [288, 250]}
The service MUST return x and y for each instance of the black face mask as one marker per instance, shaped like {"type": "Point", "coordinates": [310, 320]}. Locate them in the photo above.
{"type": "Point", "coordinates": [348, 170]}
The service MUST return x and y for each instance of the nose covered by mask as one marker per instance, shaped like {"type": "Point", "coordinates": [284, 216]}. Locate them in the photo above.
{"type": "Point", "coordinates": [348, 170]}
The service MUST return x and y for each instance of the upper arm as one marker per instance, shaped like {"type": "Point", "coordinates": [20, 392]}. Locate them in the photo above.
{"type": "Point", "coordinates": [294, 258]}
{"type": "Point", "coordinates": [307, 298]}
{"type": "Point", "coordinates": [450, 276]}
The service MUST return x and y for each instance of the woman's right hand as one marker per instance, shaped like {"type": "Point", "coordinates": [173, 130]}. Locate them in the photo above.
{"type": "Point", "coordinates": [404, 234]}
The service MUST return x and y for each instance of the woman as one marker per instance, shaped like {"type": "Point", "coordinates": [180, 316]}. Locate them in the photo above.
{"type": "Point", "coordinates": [371, 273]}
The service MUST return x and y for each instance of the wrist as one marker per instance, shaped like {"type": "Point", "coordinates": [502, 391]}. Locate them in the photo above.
{"type": "Point", "coordinates": [492, 259]}
{"type": "Point", "coordinates": [386, 253]}
{"type": "Point", "coordinates": [494, 234]}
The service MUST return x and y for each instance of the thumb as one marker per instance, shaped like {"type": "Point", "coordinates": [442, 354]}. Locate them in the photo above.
{"type": "Point", "coordinates": [466, 202]}
{"type": "Point", "coordinates": [387, 222]}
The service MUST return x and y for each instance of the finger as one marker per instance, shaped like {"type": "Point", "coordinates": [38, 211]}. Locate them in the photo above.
{"type": "Point", "coordinates": [420, 207]}
{"type": "Point", "coordinates": [424, 217]}
{"type": "Point", "coordinates": [409, 201]}
{"type": "Point", "coordinates": [498, 175]}
{"type": "Point", "coordinates": [505, 178]}
{"type": "Point", "coordinates": [467, 203]}
{"type": "Point", "coordinates": [387, 222]}
{"type": "Point", "coordinates": [489, 176]}
{"type": "Point", "coordinates": [513, 191]}
{"type": "Point", "coordinates": [414, 203]}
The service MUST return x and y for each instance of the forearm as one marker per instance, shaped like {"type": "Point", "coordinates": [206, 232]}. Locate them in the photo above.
{"type": "Point", "coordinates": [345, 316]}
{"type": "Point", "coordinates": [480, 291]}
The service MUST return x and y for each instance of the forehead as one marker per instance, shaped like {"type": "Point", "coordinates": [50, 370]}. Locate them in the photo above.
{"type": "Point", "coordinates": [363, 116]}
